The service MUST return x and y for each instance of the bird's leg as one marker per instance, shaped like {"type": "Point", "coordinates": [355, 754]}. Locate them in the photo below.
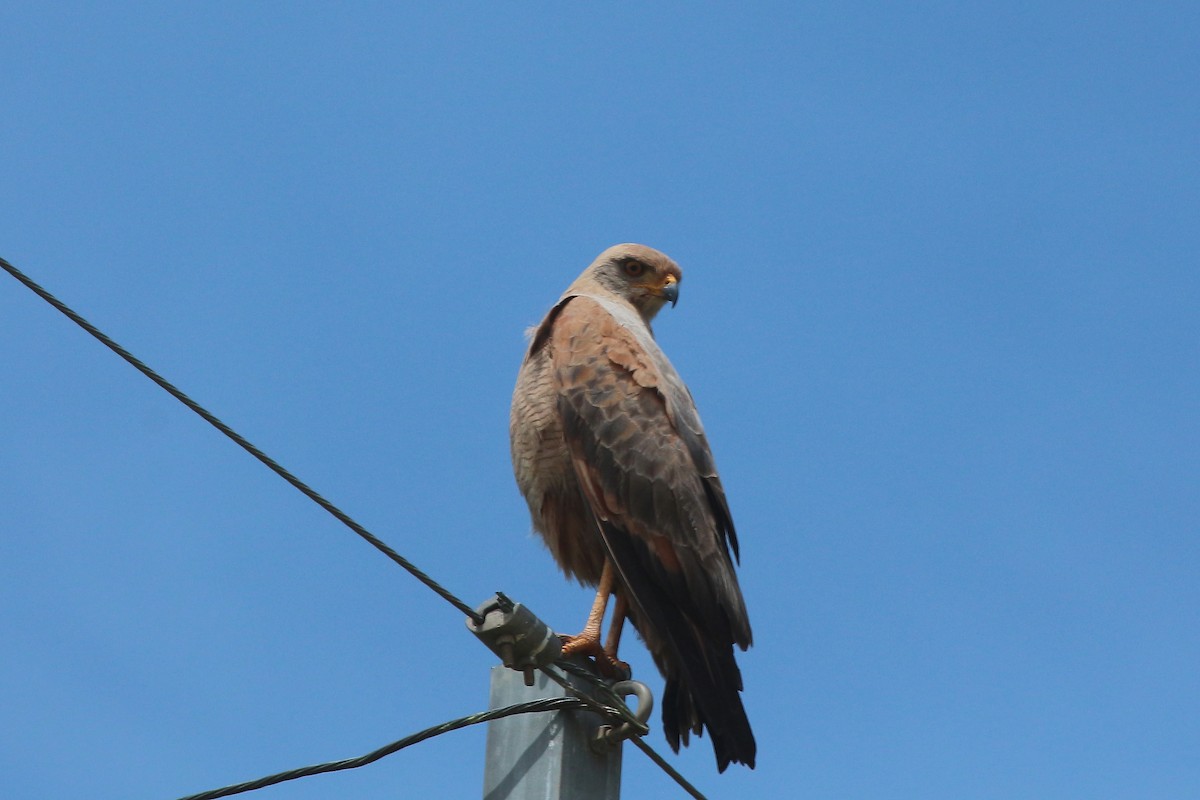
{"type": "Point", "coordinates": [587, 642]}
{"type": "Point", "coordinates": [620, 608]}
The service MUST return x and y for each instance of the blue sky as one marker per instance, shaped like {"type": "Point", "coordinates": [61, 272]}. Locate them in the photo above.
{"type": "Point", "coordinates": [939, 314]}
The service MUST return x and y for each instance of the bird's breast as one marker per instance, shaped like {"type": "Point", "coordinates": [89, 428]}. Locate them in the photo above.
{"type": "Point", "coordinates": [546, 476]}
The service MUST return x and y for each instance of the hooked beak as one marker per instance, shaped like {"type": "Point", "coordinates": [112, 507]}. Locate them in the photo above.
{"type": "Point", "coordinates": [670, 290]}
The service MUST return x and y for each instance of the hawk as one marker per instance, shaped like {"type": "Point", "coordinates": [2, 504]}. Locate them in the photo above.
{"type": "Point", "coordinates": [609, 452]}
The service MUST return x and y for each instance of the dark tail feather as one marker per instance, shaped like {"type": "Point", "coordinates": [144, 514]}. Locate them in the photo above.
{"type": "Point", "coordinates": [703, 680]}
{"type": "Point", "coordinates": [706, 694]}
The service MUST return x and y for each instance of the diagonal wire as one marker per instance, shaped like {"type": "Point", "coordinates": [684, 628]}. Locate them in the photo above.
{"type": "Point", "coordinates": [602, 688]}
{"type": "Point", "coordinates": [271, 464]}
{"type": "Point", "coordinates": [653, 755]}
{"type": "Point", "coordinates": [623, 711]}
{"type": "Point", "coordinates": [618, 708]}
{"type": "Point", "coordinates": [530, 707]}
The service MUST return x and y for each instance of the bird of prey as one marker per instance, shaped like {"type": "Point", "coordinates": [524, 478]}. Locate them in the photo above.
{"type": "Point", "coordinates": [608, 450]}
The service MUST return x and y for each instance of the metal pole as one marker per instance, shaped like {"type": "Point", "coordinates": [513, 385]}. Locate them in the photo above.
{"type": "Point", "coordinates": [545, 756]}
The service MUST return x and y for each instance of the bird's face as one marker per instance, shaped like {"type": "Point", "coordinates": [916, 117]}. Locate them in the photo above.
{"type": "Point", "coordinates": [641, 275]}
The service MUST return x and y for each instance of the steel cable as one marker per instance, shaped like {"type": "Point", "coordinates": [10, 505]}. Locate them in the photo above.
{"type": "Point", "coordinates": [530, 707]}
{"type": "Point", "coordinates": [624, 712]}
{"type": "Point", "coordinates": [237, 438]}
{"type": "Point", "coordinates": [618, 708]}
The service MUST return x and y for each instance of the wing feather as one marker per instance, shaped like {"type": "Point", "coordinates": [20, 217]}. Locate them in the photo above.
{"type": "Point", "coordinates": [624, 417]}
{"type": "Point", "coordinates": [646, 470]}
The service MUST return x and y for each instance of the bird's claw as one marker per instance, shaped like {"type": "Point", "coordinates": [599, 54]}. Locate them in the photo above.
{"type": "Point", "coordinates": [606, 663]}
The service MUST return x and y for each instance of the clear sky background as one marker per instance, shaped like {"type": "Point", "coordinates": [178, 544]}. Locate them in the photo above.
{"type": "Point", "coordinates": [939, 313]}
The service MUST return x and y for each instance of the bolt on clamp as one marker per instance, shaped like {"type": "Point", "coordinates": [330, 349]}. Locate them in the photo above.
{"type": "Point", "coordinates": [521, 640]}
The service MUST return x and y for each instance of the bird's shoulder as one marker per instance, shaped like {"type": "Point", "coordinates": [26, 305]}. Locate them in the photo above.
{"type": "Point", "coordinates": [592, 334]}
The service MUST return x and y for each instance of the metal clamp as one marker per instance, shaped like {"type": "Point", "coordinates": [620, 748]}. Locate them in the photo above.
{"type": "Point", "coordinates": [609, 737]}
{"type": "Point", "coordinates": [511, 631]}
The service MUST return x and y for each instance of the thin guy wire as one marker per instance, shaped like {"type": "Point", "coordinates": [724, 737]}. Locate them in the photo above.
{"type": "Point", "coordinates": [530, 707]}
{"type": "Point", "coordinates": [619, 705]}
{"type": "Point", "coordinates": [667, 768]}
{"type": "Point", "coordinates": [271, 464]}
{"type": "Point", "coordinates": [619, 708]}
{"type": "Point", "coordinates": [614, 699]}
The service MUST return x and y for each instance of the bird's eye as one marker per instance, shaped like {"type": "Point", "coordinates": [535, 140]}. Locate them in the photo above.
{"type": "Point", "coordinates": [633, 268]}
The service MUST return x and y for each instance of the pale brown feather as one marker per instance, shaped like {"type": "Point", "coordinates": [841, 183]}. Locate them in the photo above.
{"type": "Point", "coordinates": [612, 459]}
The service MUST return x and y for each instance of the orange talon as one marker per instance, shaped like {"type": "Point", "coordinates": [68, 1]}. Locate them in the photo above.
{"type": "Point", "coordinates": [587, 642]}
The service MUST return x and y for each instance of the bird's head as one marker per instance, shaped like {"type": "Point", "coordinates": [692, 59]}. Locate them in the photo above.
{"type": "Point", "coordinates": [641, 275]}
